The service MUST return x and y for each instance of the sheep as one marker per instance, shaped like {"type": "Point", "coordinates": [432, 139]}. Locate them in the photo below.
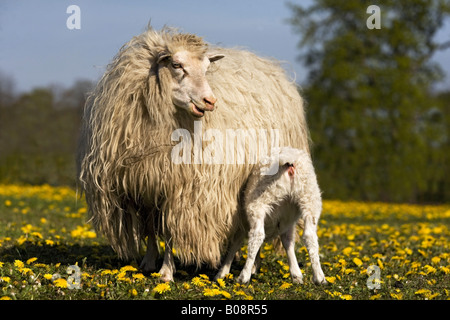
{"type": "Point", "coordinates": [160, 82]}
{"type": "Point", "coordinates": [273, 204]}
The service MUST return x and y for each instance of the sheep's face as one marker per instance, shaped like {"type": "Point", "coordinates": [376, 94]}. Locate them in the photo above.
{"type": "Point", "coordinates": [190, 88]}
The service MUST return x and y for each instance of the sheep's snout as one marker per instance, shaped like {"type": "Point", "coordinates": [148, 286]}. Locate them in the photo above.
{"type": "Point", "coordinates": [209, 103]}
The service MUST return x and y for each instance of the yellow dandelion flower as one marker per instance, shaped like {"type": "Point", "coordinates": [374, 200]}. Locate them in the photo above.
{"type": "Point", "coordinates": [186, 286]}
{"type": "Point", "coordinates": [347, 251]}
{"type": "Point", "coordinates": [204, 276]}
{"type": "Point", "coordinates": [60, 283]}
{"type": "Point", "coordinates": [380, 264]}
{"type": "Point", "coordinates": [197, 281]}
{"type": "Point", "coordinates": [26, 271]}
{"type": "Point", "coordinates": [346, 297]}
{"type": "Point", "coordinates": [48, 276]}
{"type": "Point", "coordinates": [435, 260]}
{"type": "Point", "coordinates": [162, 287]}
{"type": "Point", "coordinates": [221, 283]}
{"type": "Point", "coordinates": [133, 292]}
{"type": "Point", "coordinates": [331, 279]}
{"type": "Point", "coordinates": [429, 269]}
{"type": "Point", "coordinates": [138, 276]}
{"type": "Point", "coordinates": [31, 260]}
{"type": "Point", "coordinates": [155, 275]}
{"type": "Point", "coordinates": [211, 292]}
{"type": "Point", "coordinates": [446, 270]}
{"type": "Point", "coordinates": [398, 296]}
{"type": "Point", "coordinates": [5, 298]}
{"type": "Point", "coordinates": [375, 297]}
{"type": "Point", "coordinates": [5, 279]}
{"type": "Point", "coordinates": [285, 285]}
{"type": "Point", "coordinates": [105, 272]}
{"type": "Point", "coordinates": [128, 268]}
{"type": "Point", "coordinates": [49, 242]}
{"type": "Point", "coordinates": [357, 261]}
{"type": "Point", "coordinates": [19, 264]}
{"type": "Point", "coordinates": [8, 203]}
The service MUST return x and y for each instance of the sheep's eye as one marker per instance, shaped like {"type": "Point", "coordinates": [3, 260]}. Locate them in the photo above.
{"type": "Point", "coordinates": [176, 65]}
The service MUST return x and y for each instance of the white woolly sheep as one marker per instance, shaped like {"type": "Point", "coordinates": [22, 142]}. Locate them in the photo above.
{"type": "Point", "coordinates": [273, 204]}
{"type": "Point", "coordinates": [160, 82]}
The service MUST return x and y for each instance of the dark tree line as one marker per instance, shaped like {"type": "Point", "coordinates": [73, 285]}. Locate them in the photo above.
{"type": "Point", "coordinates": [39, 132]}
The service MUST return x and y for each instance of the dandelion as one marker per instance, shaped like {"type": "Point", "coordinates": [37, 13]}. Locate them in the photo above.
{"type": "Point", "coordinates": [186, 286]}
{"type": "Point", "coordinates": [285, 286]}
{"type": "Point", "coordinates": [346, 297]}
{"type": "Point", "coordinates": [155, 275]}
{"type": "Point", "coordinates": [128, 268]}
{"type": "Point", "coordinates": [31, 260]}
{"type": "Point", "coordinates": [19, 264]}
{"type": "Point", "coordinates": [60, 283]}
{"type": "Point", "coordinates": [211, 292]}
{"type": "Point", "coordinates": [331, 279]}
{"type": "Point", "coordinates": [221, 283]}
{"type": "Point", "coordinates": [138, 276]}
{"type": "Point", "coordinates": [357, 261]}
{"type": "Point", "coordinates": [48, 276]}
{"type": "Point", "coordinates": [435, 260]}
{"type": "Point", "coordinates": [197, 281]}
{"type": "Point", "coordinates": [162, 287]}
{"type": "Point", "coordinates": [133, 292]}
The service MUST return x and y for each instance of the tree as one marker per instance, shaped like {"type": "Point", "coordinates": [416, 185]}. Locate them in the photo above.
{"type": "Point", "coordinates": [367, 91]}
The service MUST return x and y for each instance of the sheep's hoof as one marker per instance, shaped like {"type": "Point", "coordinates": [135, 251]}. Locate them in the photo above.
{"type": "Point", "coordinates": [243, 279]}
{"type": "Point", "coordinates": [322, 282]}
{"type": "Point", "coordinates": [297, 280]}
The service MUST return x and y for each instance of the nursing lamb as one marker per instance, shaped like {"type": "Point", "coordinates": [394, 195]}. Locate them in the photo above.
{"type": "Point", "coordinates": [273, 205]}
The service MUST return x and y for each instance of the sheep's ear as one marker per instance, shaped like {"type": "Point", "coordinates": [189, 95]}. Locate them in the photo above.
{"type": "Point", "coordinates": [163, 55]}
{"type": "Point", "coordinates": [215, 56]}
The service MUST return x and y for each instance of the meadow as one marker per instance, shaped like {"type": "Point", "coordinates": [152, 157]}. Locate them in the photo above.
{"type": "Point", "coordinates": [49, 251]}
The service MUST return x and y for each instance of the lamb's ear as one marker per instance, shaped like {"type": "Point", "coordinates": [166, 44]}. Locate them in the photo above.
{"type": "Point", "coordinates": [163, 55]}
{"type": "Point", "coordinates": [214, 56]}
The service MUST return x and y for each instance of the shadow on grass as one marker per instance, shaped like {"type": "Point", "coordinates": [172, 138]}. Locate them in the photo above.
{"type": "Point", "coordinates": [94, 256]}
{"type": "Point", "coordinates": [97, 256]}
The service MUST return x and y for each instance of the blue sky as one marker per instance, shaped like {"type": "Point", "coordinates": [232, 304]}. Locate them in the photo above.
{"type": "Point", "coordinates": [37, 49]}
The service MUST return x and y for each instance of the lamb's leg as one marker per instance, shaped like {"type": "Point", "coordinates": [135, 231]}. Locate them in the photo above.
{"type": "Point", "coordinates": [288, 240]}
{"type": "Point", "coordinates": [233, 247]}
{"type": "Point", "coordinates": [148, 263]}
{"type": "Point", "coordinates": [312, 244]}
{"type": "Point", "coordinates": [255, 240]}
{"type": "Point", "coordinates": [168, 268]}
{"type": "Point", "coordinates": [257, 264]}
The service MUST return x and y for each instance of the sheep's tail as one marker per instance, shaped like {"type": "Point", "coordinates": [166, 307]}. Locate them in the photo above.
{"type": "Point", "coordinates": [309, 200]}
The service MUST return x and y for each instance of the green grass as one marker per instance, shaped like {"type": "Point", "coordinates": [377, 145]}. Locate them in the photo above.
{"type": "Point", "coordinates": [43, 232]}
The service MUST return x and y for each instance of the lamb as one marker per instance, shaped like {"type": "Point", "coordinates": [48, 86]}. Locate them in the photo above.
{"type": "Point", "coordinates": [158, 83]}
{"type": "Point", "coordinates": [273, 204]}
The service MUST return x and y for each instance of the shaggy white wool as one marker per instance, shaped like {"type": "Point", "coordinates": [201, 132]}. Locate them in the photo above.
{"type": "Point", "coordinates": [132, 187]}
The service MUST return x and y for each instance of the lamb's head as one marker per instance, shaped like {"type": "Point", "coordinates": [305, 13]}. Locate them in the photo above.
{"type": "Point", "coordinates": [188, 60]}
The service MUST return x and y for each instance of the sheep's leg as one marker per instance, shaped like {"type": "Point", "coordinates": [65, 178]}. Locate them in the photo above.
{"type": "Point", "coordinates": [288, 240]}
{"type": "Point", "coordinates": [233, 247]}
{"type": "Point", "coordinates": [168, 268]}
{"type": "Point", "coordinates": [257, 264]}
{"type": "Point", "coordinates": [148, 264]}
{"type": "Point", "coordinates": [312, 244]}
{"type": "Point", "coordinates": [255, 240]}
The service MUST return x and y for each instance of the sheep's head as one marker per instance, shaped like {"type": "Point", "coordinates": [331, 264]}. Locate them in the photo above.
{"type": "Point", "coordinates": [190, 89]}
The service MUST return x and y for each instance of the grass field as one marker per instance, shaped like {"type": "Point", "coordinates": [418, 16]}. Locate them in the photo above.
{"type": "Point", "coordinates": [47, 251]}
